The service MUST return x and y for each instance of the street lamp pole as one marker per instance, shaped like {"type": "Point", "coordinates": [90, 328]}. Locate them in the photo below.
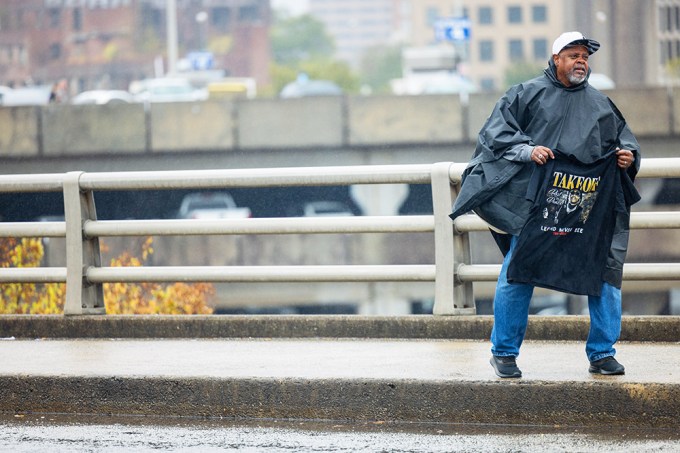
{"type": "Point", "coordinates": [171, 32]}
{"type": "Point", "coordinates": [201, 19]}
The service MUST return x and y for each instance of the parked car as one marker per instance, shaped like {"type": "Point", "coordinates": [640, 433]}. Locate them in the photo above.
{"type": "Point", "coordinates": [304, 88]}
{"type": "Point", "coordinates": [326, 209]}
{"type": "Point", "coordinates": [166, 89]}
{"type": "Point", "coordinates": [4, 89]}
{"type": "Point", "coordinates": [101, 97]}
{"type": "Point", "coordinates": [38, 95]}
{"type": "Point", "coordinates": [211, 205]}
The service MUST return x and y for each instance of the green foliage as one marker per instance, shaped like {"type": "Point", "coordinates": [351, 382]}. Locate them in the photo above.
{"type": "Point", "coordinates": [296, 39]}
{"type": "Point", "coordinates": [673, 69]}
{"type": "Point", "coordinates": [337, 71]}
{"type": "Point", "coordinates": [379, 65]}
{"type": "Point", "coordinates": [521, 72]}
{"type": "Point", "coordinates": [301, 45]}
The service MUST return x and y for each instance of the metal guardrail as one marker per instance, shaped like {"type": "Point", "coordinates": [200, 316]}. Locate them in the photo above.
{"type": "Point", "coordinates": [84, 274]}
{"type": "Point", "coordinates": [452, 272]}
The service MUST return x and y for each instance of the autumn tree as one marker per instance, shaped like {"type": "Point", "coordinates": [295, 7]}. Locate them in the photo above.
{"type": "Point", "coordinates": [119, 298]}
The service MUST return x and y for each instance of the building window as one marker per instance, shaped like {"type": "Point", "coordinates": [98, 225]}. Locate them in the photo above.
{"type": "Point", "coordinates": [515, 14]}
{"type": "Point", "coordinates": [485, 15]}
{"type": "Point", "coordinates": [487, 84]}
{"type": "Point", "coordinates": [485, 50]}
{"type": "Point", "coordinates": [665, 18]}
{"type": "Point", "coordinates": [77, 19]}
{"type": "Point", "coordinates": [152, 18]}
{"type": "Point", "coordinates": [539, 14]}
{"type": "Point", "coordinates": [248, 14]}
{"type": "Point", "coordinates": [221, 18]}
{"type": "Point", "coordinates": [662, 19]}
{"type": "Point", "coordinates": [4, 21]}
{"type": "Point", "coordinates": [516, 50]}
{"type": "Point", "coordinates": [55, 51]}
{"type": "Point", "coordinates": [662, 53]}
{"type": "Point", "coordinates": [540, 49]}
{"type": "Point", "coordinates": [669, 18]}
{"type": "Point", "coordinates": [432, 15]}
{"type": "Point", "coordinates": [55, 17]}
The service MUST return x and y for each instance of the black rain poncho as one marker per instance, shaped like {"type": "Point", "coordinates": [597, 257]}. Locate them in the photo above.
{"type": "Point", "coordinates": [579, 121]}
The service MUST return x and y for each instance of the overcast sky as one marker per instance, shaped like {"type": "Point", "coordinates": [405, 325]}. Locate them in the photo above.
{"type": "Point", "coordinates": [294, 7]}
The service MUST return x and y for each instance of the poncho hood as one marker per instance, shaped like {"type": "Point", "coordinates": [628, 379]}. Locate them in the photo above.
{"type": "Point", "coordinates": [551, 73]}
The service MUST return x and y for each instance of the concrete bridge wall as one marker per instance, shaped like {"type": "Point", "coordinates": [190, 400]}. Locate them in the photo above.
{"type": "Point", "coordinates": [273, 124]}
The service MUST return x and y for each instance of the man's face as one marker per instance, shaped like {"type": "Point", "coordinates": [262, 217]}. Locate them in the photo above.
{"type": "Point", "coordinates": [572, 65]}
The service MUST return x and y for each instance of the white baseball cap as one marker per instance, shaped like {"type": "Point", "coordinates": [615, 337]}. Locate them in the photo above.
{"type": "Point", "coordinates": [574, 38]}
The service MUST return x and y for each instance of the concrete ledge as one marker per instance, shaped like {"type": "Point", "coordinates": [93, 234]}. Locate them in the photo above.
{"type": "Point", "coordinates": [496, 402]}
{"type": "Point", "coordinates": [574, 328]}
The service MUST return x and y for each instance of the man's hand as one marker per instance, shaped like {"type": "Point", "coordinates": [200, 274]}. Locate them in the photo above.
{"type": "Point", "coordinates": [541, 154]}
{"type": "Point", "coordinates": [624, 158]}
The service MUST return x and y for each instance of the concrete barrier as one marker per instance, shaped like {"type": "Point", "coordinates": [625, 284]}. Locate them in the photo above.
{"type": "Point", "coordinates": [552, 328]}
{"type": "Point", "coordinates": [404, 119]}
{"type": "Point", "coordinates": [480, 107]}
{"type": "Point", "coordinates": [647, 111]}
{"type": "Point", "coordinates": [326, 122]}
{"type": "Point", "coordinates": [291, 123]}
{"type": "Point", "coordinates": [181, 126]}
{"type": "Point", "coordinates": [592, 404]}
{"type": "Point", "coordinates": [20, 132]}
{"type": "Point", "coordinates": [93, 129]}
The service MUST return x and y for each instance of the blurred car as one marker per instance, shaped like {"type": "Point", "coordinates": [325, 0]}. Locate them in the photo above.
{"type": "Point", "coordinates": [304, 88]}
{"type": "Point", "coordinates": [326, 209]}
{"type": "Point", "coordinates": [4, 89]}
{"type": "Point", "coordinates": [601, 81]}
{"type": "Point", "coordinates": [166, 90]}
{"type": "Point", "coordinates": [38, 95]}
{"type": "Point", "coordinates": [211, 205]}
{"type": "Point", "coordinates": [101, 97]}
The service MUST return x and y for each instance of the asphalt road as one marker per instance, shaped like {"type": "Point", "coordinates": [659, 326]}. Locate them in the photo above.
{"type": "Point", "coordinates": [37, 433]}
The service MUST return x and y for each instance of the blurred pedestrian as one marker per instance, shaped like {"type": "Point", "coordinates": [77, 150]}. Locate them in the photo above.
{"type": "Point", "coordinates": [59, 92]}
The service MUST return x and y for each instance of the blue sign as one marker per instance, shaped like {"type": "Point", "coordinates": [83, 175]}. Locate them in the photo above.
{"type": "Point", "coordinates": [452, 29]}
{"type": "Point", "coordinates": [200, 60]}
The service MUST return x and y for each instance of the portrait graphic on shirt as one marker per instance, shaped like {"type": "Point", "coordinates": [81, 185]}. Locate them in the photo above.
{"type": "Point", "coordinates": [567, 196]}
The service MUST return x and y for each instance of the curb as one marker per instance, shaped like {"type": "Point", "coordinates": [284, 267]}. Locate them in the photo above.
{"type": "Point", "coordinates": [597, 404]}
{"type": "Point", "coordinates": [552, 328]}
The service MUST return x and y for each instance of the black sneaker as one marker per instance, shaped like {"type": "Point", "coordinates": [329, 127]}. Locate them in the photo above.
{"type": "Point", "coordinates": [505, 367]}
{"type": "Point", "coordinates": [607, 365]}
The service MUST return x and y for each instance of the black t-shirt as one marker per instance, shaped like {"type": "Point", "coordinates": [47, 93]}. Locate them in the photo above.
{"type": "Point", "coordinates": [565, 243]}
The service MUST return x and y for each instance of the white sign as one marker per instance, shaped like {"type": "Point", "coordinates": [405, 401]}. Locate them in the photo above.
{"type": "Point", "coordinates": [200, 61]}
{"type": "Point", "coordinates": [452, 29]}
{"type": "Point", "coordinates": [91, 4]}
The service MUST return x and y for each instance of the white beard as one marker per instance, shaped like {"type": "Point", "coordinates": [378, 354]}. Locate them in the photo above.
{"type": "Point", "coordinates": [574, 79]}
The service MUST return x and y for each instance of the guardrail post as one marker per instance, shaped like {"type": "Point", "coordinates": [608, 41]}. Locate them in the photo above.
{"type": "Point", "coordinates": [451, 297]}
{"type": "Point", "coordinates": [82, 297]}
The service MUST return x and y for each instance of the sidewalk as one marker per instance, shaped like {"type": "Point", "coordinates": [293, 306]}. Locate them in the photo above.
{"type": "Point", "coordinates": [415, 380]}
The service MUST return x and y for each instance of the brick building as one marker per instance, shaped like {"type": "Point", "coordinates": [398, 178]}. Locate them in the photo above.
{"type": "Point", "coordinates": [108, 43]}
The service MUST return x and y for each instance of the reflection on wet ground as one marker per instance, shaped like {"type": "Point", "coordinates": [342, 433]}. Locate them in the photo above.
{"type": "Point", "coordinates": [57, 433]}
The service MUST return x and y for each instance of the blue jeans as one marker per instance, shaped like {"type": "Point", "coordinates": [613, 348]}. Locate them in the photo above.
{"type": "Point", "coordinates": [511, 314]}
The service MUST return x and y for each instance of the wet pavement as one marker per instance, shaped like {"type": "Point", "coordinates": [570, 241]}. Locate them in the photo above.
{"type": "Point", "coordinates": [428, 360]}
{"type": "Point", "coordinates": [53, 433]}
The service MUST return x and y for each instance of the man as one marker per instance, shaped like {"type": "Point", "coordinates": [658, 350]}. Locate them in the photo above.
{"type": "Point", "coordinates": [557, 117]}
